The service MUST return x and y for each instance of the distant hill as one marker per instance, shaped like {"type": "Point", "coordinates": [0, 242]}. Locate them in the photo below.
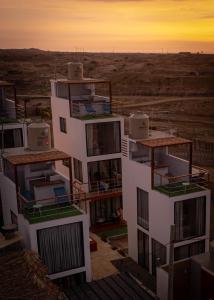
{"type": "Point", "coordinates": [131, 74]}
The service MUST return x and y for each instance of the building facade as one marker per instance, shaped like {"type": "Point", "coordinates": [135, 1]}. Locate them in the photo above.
{"type": "Point", "coordinates": [84, 127]}
{"type": "Point", "coordinates": [161, 190]}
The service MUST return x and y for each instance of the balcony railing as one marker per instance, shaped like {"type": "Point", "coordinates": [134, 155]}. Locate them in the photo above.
{"type": "Point", "coordinates": [52, 208]}
{"type": "Point", "coordinates": [182, 184]}
{"type": "Point", "coordinates": [98, 187]}
{"type": "Point", "coordinates": [84, 108]}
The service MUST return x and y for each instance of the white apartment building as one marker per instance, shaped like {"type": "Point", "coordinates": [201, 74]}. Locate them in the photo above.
{"type": "Point", "coordinates": [160, 190]}
{"type": "Point", "coordinates": [38, 199]}
{"type": "Point", "coordinates": [84, 127]}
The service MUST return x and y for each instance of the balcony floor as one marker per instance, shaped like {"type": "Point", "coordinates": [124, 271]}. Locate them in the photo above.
{"type": "Point", "coordinates": [178, 189]}
{"type": "Point", "coordinates": [48, 213]}
{"type": "Point", "coordinates": [92, 117]}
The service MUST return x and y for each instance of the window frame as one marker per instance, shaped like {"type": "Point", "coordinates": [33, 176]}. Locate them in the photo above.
{"type": "Point", "coordinates": [145, 223]}
{"type": "Point", "coordinates": [63, 124]}
{"type": "Point", "coordinates": [97, 124]}
{"type": "Point", "coordinates": [78, 172]}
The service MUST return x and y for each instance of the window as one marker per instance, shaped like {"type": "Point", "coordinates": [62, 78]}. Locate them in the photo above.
{"type": "Point", "coordinates": [11, 138]}
{"type": "Point", "coordinates": [78, 169]}
{"type": "Point", "coordinates": [103, 138]}
{"type": "Point", "coordinates": [61, 247]}
{"type": "Point", "coordinates": [62, 123]}
{"type": "Point", "coordinates": [105, 172]}
{"type": "Point", "coordinates": [190, 216]}
{"type": "Point", "coordinates": [142, 208]}
{"type": "Point", "coordinates": [158, 255]}
{"type": "Point", "coordinates": [143, 249]}
{"type": "Point", "coordinates": [189, 250]}
{"type": "Point", "coordinates": [65, 163]}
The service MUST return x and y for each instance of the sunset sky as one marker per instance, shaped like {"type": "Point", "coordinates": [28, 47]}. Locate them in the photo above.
{"type": "Point", "coordinates": [108, 25]}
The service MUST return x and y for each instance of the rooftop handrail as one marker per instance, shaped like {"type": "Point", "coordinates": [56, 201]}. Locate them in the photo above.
{"type": "Point", "coordinates": [72, 199]}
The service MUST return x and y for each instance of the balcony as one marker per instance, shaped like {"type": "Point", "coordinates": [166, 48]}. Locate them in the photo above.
{"type": "Point", "coordinates": [99, 189]}
{"type": "Point", "coordinates": [37, 211]}
{"type": "Point", "coordinates": [180, 185]}
{"type": "Point", "coordinates": [90, 107]}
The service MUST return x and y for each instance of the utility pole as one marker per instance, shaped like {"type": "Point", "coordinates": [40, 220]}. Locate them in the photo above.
{"type": "Point", "coordinates": [171, 263]}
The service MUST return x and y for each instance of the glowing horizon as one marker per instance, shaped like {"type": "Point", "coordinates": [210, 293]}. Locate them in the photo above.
{"type": "Point", "coordinates": [108, 25]}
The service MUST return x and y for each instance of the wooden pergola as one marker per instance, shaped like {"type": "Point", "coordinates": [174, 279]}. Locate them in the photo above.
{"type": "Point", "coordinates": [87, 81]}
{"type": "Point", "coordinates": [53, 155]}
{"type": "Point", "coordinates": [165, 142]}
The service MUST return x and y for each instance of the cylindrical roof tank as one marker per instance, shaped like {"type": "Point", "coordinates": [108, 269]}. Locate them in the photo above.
{"type": "Point", "coordinates": [139, 126]}
{"type": "Point", "coordinates": [75, 71]}
{"type": "Point", "coordinates": [39, 137]}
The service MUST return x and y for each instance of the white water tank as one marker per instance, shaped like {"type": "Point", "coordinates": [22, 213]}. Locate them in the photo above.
{"type": "Point", "coordinates": [75, 71]}
{"type": "Point", "coordinates": [139, 126]}
{"type": "Point", "coordinates": [39, 137]}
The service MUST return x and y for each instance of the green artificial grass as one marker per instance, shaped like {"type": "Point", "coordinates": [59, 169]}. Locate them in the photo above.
{"type": "Point", "coordinates": [49, 213]}
{"type": "Point", "coordinates": [113, 232]}
{"type": "Point", "coordinates": [92, 117]}
{"type": "Point", "coordinates": [178, 189]}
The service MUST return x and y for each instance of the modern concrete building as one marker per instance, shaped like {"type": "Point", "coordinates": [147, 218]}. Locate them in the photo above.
{"type": "Point", "coordinates": [84, 127]}
{"type": "Point", "coordinates": [160, 190]}
{"type": "Point", "coordinates": [39, 199]}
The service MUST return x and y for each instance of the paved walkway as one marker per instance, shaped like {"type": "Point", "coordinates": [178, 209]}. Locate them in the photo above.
{"type": "Point", "coordinates": [101, 259]}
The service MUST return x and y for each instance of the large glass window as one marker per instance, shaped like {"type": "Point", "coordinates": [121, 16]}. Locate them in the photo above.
{"type": "Point", "coordinates": [11, 138]}
{"type": "Point", "coordinates": [190, 218]}
{"type": "Point", "coordinates": [142, 208]}
{"type": "Point", "coordinates": [189, 250]}
{"type": "Point", "coordinates": [103, 138]}
{"type": "Point", "coordinates": [158, 255]}
{"type": "Point", "coordinates": [143, 249]}
{"type": "Point", "coordinates": [78, 169]}
{"type": "Point", "coordinates": [104, 174]}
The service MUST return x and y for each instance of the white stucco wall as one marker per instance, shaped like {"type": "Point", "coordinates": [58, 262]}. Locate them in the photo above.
{"type": "Point", "coordinates": [29, 232]}
{"type": "Point", "coordinates": [8, 196]}
{"type": "Point", "coordinates": [162, 284]}
{"type": "Point", "coordinates": [161, 207]}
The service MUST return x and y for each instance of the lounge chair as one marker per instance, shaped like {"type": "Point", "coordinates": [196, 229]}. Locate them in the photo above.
{"type": "Point", "coordinates": [60, 194]}
{"type": "Point", "coordinates": [89, 108]}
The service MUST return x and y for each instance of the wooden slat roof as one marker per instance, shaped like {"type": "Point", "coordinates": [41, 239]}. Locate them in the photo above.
{"type": "Point", "coordinates": [119, 286]}
{"type": "Point", "coordinates": [5, 83]}
{"type": "Point", "coordinates": [163, 142]}
{"type": "Point", "coordinates": [32, 158]}
{"type": "Point", "coordinates": [85, 80]}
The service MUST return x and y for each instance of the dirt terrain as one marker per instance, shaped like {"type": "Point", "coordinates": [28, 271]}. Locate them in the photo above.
{"type": "Point", "coordinates": [176, 90]}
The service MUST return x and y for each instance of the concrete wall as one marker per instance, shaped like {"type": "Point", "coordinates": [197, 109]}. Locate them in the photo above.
{"type": "Point", "coordinates": [161, 207]}
{"type": "Point", "coordinates": [29, 233]}
{"type": "Point", "coordinates": [8, 196]}
{"type": "Point", "coordinates": [162, 284]}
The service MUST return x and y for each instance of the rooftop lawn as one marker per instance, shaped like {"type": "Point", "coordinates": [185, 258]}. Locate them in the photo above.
{"type": "Point", "coordinates": [93, 117]}
{"type": "Point", "coordinates": [178, 189]}
{"type": "Point", "coordinates": [48, 213]}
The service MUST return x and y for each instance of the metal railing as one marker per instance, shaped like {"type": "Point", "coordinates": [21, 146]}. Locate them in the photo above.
{"type": "Point", "coordinates": [83, 108]}
{"type": "Point", "coordinates": [99, 186]}
{"type": "Point", "coordinates": [52, 206]}
{"type": "Point", "coordinates": [181, 184]}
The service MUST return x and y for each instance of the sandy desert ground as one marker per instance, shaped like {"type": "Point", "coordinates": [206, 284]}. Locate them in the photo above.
{"type": "Point", "coordinates": [176, 90]}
